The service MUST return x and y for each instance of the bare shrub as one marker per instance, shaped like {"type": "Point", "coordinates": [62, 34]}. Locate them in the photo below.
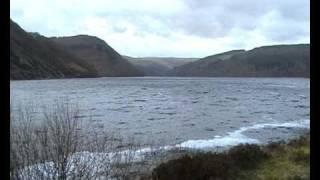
{"type": "Point", "coordinates": [59, 148]}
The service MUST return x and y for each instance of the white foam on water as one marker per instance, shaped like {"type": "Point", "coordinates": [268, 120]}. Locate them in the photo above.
{"type": "Point", "coordinates": [281, 85]}
{"type": "Point", "coordinates": [230, 140]}
{"type": "Point", "coordinates": [236, 137]}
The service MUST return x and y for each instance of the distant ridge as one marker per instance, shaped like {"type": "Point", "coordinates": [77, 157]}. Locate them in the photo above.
{"type": "Point", "coordinates": [265, 61]}
{"type": "Point", "coordinates": [158, 66]}
{"type": "Point", "coordinates": [33, 56]}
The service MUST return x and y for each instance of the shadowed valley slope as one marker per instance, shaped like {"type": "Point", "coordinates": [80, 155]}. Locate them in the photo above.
{"type": "Point", "coordinates": [98, 53]}
{"type": "Point", "coordinates": [33, 56]}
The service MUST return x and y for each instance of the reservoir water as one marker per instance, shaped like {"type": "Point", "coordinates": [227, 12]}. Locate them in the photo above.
{"type": "Point", "coordinates": [190, 112]}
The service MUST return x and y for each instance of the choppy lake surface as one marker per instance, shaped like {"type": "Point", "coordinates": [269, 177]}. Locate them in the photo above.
{"type": "Point", "coordinates": [189, 112]}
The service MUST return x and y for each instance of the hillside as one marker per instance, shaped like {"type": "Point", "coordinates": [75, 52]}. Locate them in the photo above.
{"type": "Point", "coordinates": [33, 56]}
{"type": "Point", "coordinates": [266, 61]}
{"type": "Point", "coordinates": [158, 66]}
{"type": "Point", "coordinates": [98, 53]}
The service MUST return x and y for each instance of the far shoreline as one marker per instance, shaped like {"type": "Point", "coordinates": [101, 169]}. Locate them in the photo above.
{"type": "Point", "coordinates": [169, 77]}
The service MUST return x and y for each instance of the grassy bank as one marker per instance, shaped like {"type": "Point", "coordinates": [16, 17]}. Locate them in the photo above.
{"type": "Point", "coordinates": [287, 161]}
{"type": "Point", "coordinates": [281, 160]}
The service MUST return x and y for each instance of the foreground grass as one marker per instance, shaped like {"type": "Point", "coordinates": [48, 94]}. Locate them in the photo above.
{"type": "Point", "coordinates": [287, 161]}
{"type": "Point", "coordinates": [274, 161]}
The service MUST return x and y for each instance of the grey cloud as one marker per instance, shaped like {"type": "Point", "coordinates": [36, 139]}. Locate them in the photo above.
{"type": "Point", "coordinates": [216, 18]}
{"type": "Point", "coordinates": [119, 29]}
{"type": "Point", "coordinates": [287, 32]}
{"type": "Point", "coordinates": [238, 21]}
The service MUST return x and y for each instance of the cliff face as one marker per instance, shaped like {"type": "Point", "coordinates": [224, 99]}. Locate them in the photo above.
{"type": "Point", "coordinates": [98, 53]}
{"type": "Point", "coordinates": [267, 61]}
{"type": "Point", "coordinates": [33, 56]}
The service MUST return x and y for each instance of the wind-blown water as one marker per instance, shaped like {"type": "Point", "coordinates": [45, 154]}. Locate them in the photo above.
{"type": "Point", "coordinates": [184, 112]}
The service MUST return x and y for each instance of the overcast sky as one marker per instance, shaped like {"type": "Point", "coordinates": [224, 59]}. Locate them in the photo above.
{"type": "Point", "coordinates": [180, 28]}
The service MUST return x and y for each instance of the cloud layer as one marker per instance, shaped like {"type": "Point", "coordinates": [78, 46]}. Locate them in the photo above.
{"type": "Point", "coordinates": [182, 28]}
